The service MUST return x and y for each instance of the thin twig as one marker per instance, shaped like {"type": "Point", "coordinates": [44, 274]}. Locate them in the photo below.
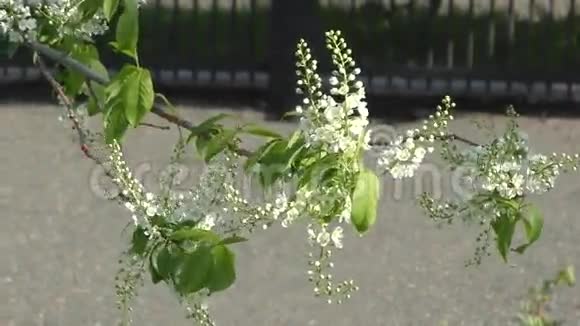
{"type": "Point", "coordinates": [154, 126]}
{"type": "Point", "coordinates": [91, 75]}
{"type": "Point", "coordinates": [69, 106]}
{"type": "Point", "coordinates": [461, 139]}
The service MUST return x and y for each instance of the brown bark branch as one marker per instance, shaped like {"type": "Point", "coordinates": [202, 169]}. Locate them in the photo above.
{"type": "Point", "coordinates": [91, 75]}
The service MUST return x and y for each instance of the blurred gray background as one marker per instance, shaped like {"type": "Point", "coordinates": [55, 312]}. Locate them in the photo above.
{"type": "Point", "coordinates": [60, 241]}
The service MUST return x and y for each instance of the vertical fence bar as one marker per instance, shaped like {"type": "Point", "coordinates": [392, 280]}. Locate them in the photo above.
{"type": "Point", "coordinates": [252, 40]}
{"type": "Point", "coordinates": [213, 40]}
{"type": "Point", "coordinates": [193, 44]}
{"type": "Point", "coordinates": [392, 5]}
{"type": "Point", "coordinates": [532, 14]}
{"type": "Point", "coordinates": [173, 46]}
{"type": "Point", "coordinates": [157, 50]}
{"type": "Point", "coordinates": [470, 46]}
{"type": "Point", "coordinates": [510, 46]}
{"type": "Point", "coordinates": [433, 12]}
{"type": "Point", "coordinates": [551, 23]}
{"type": "Point", "coordinates": [490, 43]}
{"type": "Point", "coordinates": [450, 43]}
{"type": "Point", "coordinates": [571, 51]}
{"type": "Point", "coordinates": [232, 57]}
{"type": "Point", "coordinates": [412, 15]}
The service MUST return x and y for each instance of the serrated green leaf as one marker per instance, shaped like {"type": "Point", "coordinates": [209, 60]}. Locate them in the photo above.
{"type": "Point", "coordinates": [364, 200]}
{"type": "Point", "coordinates": [294, 139]}
{"type": "Point", "coordinates": [193, 234]}
{"type": "Point", "coordinates": [166, 263]}
{"type": "Point", "coordinates": [131, 91]}
{"type": "Point", "coordinates": [109, 8]}
{"type": "Point", "coordinates": [218, 143]}
{"type": "Point", "coordinates": [258, 154]}
{"type": "Point", "coordinates": [87, 54]}
{"type": "Point", "coordinates": [504, 227]}
{"type": "Point", "coordinates": [533, 222]}
{"type": "Point", "coordinates": [232, 240]}
{"type": "Point", "coordinates": [193, 271]}
{"type": "Point", "coordinates": [127, 33]}
{"type": "Point", "coordinates": [210, 124]}
{"type": "Point", "coordinates": [256, 130]}
{"type": "Point", "coordinates": [223, 273]}
{"type": "Point", "coordinates": [88, 8]}
{"type": "Point", "coordinates": [139, 241]}
{"type": "Point", "coordinates": [138, 96]}
{"type": "Point", "coordinates": [115, 124]}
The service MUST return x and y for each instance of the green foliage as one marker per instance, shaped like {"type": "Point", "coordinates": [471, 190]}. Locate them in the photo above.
{"type": "Point", "coordinates": [257, 130]}
{"type": "Point", "coordinates": [129, 96]}
{"type": "Point", "coordinates": [139, 241]}
{"type": "Point", "coordinates": [89, 8]}
{"type": "Point", "coordinates": [86, 53]}
{"type": "Point", "coordinates": [535, 308]}
{"type": "Point", "coordinates": [533, 222]}
{"type": "Point", "coordinates": [194, 259]}
{"type": "Point", "coordinates": [127, 33]}
{"type": "Point", "coordinates": [110, 8]}
{"type": "Point", "coordinates": [192, 271]}
{"type": "Point", "coordinates": [223, 273]}
{"type": "Point", "coordinates": [196, 235]}
{"type": "Point", "coordinates": [364, 200]}
{"type": "Point", "coordinates": [504, 227]}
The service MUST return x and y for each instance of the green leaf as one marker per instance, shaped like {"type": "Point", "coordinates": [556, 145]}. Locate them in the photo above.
{"type": "Point", "coordinates": [193, 234]}
{"type": "Point", "coordinates": [115, 124]}
{"type": "Point", "coordinates": [138, 96]}
{"type": "Point", "coordinates": [132, 92]}
{"type": "Point", "coordinates": [97, 97]}
{"type": "Point", "coordinates": [218, 143]}
{"type": "Point", "coordinates": [256, 130]}
{"type": "Point", "coordinates": [207, 126]}
{"type": "Point", "coordinates": [364, 200]}
{"type": "Point", "coordinates": [88, 8]}
{"type": "Point", "coordinates": [166, 263]}
{"type": "Point", "coordinates": [127, 34]}
{"type": "Point", "coordinates": [533, 223]}
{"type": "Point", "coordinates": [109, 8]}
{"type": "Point", "coordinates": [232, 240]}
{"type": "Point", "coordinates": [253, 160]}
{"type": "Point", "coordinates": [193, 271]}
{"type": "Point", "coordinates": [504, 227]}
{"type": "Point", "coordinates": [73, 81]}
{"type": "Point", "coordinates": [295, 139]}
{"type": "Point", "coordinates": [223, 273]}
{"type": "Point", "coordinates": [567, 276]}
{"type": "Point", "coordinates": [155, 277]}
{"type": "Point", "coordinates": [139, 241]}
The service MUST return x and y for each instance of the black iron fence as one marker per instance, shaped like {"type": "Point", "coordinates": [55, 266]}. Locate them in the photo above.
{"type": "Point", "coordinates": [483, 48]}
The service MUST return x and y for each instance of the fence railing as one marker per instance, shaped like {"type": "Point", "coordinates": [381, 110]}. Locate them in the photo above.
{"type": "Point", "coordinates": [524, 48]}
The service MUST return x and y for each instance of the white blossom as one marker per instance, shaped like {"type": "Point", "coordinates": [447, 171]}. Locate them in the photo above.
{"type": "Point", "coordinates": [337, 236]}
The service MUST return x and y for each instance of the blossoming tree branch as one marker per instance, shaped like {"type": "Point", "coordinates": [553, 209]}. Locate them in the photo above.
{"type": "Point", "coordinates": [317, 173]}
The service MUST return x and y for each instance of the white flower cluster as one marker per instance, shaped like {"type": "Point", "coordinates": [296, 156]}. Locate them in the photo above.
{"type": "Point", "coordinates": [404, 155]}
{"type": "Point", "coordinates": [16, 21]}
{"type": "Point", "coordinates": [143, 205]}
{"type": "Point", "coordinates": [21, 20]}
{"type": "Point", "coordinates": [542, 170]}
{"type": "Point", "coordinates": [334, 122]}
{"type": "Point", "coordinates": [66, 19]}
{"type": "Point", "coordinates": [505, 166]}
{"type": "Point", "coordinates": [322, 238]}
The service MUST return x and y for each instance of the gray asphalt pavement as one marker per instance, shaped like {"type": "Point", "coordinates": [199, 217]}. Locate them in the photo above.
{"type": "Point", "coordinates": [60, 241]}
